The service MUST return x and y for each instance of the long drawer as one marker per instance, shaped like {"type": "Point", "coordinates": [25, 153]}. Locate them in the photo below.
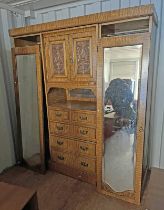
{"type": "Point", "coordinates": [76, 162]}
{"type": "Point", "coordinates": [73, 146]}
{"type": "Point", "coordinates": [72, 116]}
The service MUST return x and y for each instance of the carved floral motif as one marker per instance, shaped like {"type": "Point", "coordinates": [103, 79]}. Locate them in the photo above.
{"type": "Point", "coordinates": [83, 57]}
{"type": "Point", "coordinates": [58, 58]}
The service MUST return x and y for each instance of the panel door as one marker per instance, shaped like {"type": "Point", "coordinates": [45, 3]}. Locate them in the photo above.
{"type": "Point", "coordinates": [83, 54]}
{"type": "Point", "coordinates": [56, 54]}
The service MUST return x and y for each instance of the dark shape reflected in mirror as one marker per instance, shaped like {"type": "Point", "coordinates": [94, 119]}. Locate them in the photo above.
{"type": "Point", "coordinates": [121, 85]}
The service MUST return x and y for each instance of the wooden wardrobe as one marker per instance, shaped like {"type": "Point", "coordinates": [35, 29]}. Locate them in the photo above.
{"type": "Point", "coordinates": [81, 60]}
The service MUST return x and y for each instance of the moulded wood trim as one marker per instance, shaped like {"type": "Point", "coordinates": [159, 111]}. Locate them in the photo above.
{"type": "Point", "coordinates": [115, 15]}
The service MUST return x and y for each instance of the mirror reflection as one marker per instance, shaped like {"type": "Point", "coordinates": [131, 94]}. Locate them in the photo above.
{"type": "Point", "coordinates": [121, 86]}
{"type": "Point", "coordinates": [28, 97]}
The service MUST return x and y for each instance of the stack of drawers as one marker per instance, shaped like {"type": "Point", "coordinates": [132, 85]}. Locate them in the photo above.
{"type": "Point", "coordinates": [73, 141]}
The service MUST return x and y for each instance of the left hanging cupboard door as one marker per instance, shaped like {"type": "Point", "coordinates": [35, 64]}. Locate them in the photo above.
{"type": "Point", "coordinates": [57, 55]}
{"type": "Point", "coordinates": [30, 143]}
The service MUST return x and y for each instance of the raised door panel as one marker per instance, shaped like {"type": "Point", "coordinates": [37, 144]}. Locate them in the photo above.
{"type": "Point", "coordinates": [83, 66]}
{"type": "Point", "coordinates": [56, 50]}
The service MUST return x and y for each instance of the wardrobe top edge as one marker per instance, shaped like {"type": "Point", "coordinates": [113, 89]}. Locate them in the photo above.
{"type": "Point", "coordinates": [97, 18]}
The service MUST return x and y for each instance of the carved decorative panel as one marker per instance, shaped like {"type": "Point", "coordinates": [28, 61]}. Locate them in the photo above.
{"type": "Point", "coordinates": [83, 56]}
{"type": "Point", "coordinates": [58, 59]}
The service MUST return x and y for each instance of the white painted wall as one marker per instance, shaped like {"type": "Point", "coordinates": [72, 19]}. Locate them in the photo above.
{"type": "Point", "coordinates": [78, 8]}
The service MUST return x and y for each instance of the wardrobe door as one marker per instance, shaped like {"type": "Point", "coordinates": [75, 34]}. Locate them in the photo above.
{"type": "Point", "coordinates": [122, 94]}
{"type": "Point", "coordinates": [30, 144]}
{"type": "Point", "coordinates": [83, 54]}
{"type": "Point", "coordinates": [56, 58]}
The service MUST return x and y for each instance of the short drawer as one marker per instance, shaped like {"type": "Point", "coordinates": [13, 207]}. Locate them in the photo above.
{"type": "Point", "coordinates": [60, 157]}
{"type": "Point", "coordinates": [59, 129]}
{"type": "Point", "coordinates": [58, 143]}
{"type": "Point", "coordinates": [86, 164]}
{"type": "Point", "coordinates": [84, 133]}
{"type": "Point", "coordinates": [88, 149]}
{"type": "Point", "coordinates": [58, 115]}
{"type": "Point", "coordinates": [83, 117]}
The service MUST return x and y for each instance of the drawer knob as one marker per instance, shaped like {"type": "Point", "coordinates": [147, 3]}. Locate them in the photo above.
{"type": "Point", "coordinates": [84, 164]}
{"type": "Point", "coordinates": [60, 157]}
{"type": "Point", "coordinates": [60, 142]}
{"type": "Point", "coordinates": [83, 118]}
{"type": "Point", "coordinates": [60, 128]}
{"type": "Point", "coordinates": [83, 148]}
{"type": "Point", "coordinates": [58, 114]}
{"type": "Point", "coordinates": [83, 132]}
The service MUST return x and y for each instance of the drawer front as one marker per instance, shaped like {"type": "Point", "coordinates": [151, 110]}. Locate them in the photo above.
{"type": "Point", "coordinates": [59, 143]}
{"type": "Point", "coordinates": [60, 157]}
{"type": "Point", "coordinates": [59, 129]}
{"type": "Point", "coordinates": [81, 117]}
{"type": "Point", "coordinates": [58, 115]}
{"type": "Point", "coordinates": [86, 164]}
{"type": "Point", "coordinates": [86, 149]}
{"type": "Point", "coordinates": [84, 133]}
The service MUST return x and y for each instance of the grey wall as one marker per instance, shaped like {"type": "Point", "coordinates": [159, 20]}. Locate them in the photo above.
{"type": "Point", "coordinates": [7, 104]}
{"type": "Point", "coordinates": [78, 8]}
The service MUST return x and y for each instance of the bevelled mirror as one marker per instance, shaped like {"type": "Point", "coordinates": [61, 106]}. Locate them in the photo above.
{"type": "Point", "coordinates": [123, 115]}
{"type": "Point", "coordinates": [30, 146]}
{"type": "Point", "coordinates": [122, 67]}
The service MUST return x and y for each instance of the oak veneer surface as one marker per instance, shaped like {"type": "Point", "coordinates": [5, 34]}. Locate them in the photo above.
{"type": "Point", "coordinates": [59, 192]}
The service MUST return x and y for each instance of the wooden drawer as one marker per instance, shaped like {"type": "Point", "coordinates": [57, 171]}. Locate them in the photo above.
{"type": "Point", "coordinates": [58, 115]}
{"type": "Point", "coordinates": [71, 146]}
{"type": "Point", "coordinates": [83, 117]}
{"type": "Point", "coordinates": [88, 149]}
{"type": "Point", "coordinates": [84, 133]}
{"type": "Point", "coordinates": [59, 129]}
{"type": "Point", "coordinates": [64, 158]}
{"type": "Point", "coordinates": [60, 157]}
{"type": "Point", "coordinates": [58, 143]}
{"type": "Point", "coordinates": [86, 164]}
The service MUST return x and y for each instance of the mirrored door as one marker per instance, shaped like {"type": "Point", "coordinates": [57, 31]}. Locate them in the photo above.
{"type": "Point", "coordinates": [122, 89]}
{"type": "Point", "coordinates": [122, 67]}
{"type": "Point", "coordinates": [29, 101]}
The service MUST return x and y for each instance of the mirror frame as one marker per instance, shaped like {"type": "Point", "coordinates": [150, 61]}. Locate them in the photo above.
{"type": "Point", "coordinates": [30, 50]}
{"type": "Point", "coordinates": [120, 41]}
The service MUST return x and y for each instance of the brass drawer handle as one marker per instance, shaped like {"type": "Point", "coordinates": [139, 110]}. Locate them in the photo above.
{"type": "Point", "coordinates": [60, 142]}
{"type": "Point", "coordinates": [84, 164]}
{"type": "Point", "coordinates": [60, 128]}
{"type": "Point", "coordinates": [83, 132]}
{"type": "Point", "coordinates": [83, 118]}
{"type": "Point", "coordinates": [83, 148]}
{"type": "Point", "coordinates": [58, 114]}
{"type": "Point", "coordinates": [60, 157]}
